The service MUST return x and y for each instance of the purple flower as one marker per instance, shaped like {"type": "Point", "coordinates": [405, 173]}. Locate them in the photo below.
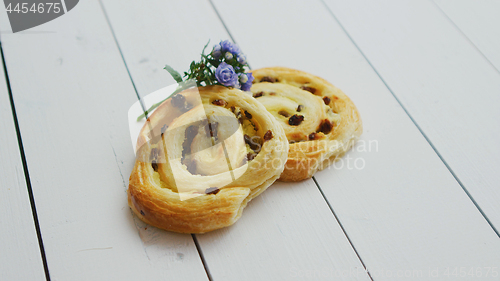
{"type": "Point", "coordinates": [245, 86]}
{"type": "Point", "coordinates": [227, 46]}
{"type": "Point", "coordinates": [226, 76]}
{"type": "Point", "coordinates": [216, 52]}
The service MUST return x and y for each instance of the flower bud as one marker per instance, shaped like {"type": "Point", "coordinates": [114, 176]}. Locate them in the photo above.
{"type": "Point", "coordinates": [242, 59]}
{"type": "Point", "coordinates": [227, 46]}
{"type": "Point", "coordinates": [216, 52]}
{"type": "Point", "coordinates": [243, 78]}
{"type": "Point", "coordinates": [248, 84]}
{"type": "Point", "coordinates": [228, 56]}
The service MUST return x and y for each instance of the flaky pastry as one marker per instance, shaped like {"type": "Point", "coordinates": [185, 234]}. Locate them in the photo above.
{"type": "Point", "coordinates": [202, 156]}
{"type": "Point", "coordinates": [320, 121]}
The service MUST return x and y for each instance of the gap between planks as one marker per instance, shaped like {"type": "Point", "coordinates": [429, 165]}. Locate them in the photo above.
{"type": "Point", "coordinates": [314, 179]}
{"type": "Point", "coordinates": [411, 117]}
{"type": "Point", "coordinates": [193, 236]}
{"type": "Point", "coordinates": [464, 35]}
{"type": "Point", "coordinates": [25, 168]}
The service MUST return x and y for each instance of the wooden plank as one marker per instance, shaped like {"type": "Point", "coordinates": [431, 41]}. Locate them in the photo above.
{"type": "Point", "coordinates": [72, 93]}
{"type": "Point", "coordinates": [20, 257]}
{"type": "Point", "coordinates": [479, 21]}
{"type": "Point", "coordinates": [289, 230]}
{"type": "Point", "coordinates": [401, 208]}
{"type": "Point", "coordinates": [443, 81]}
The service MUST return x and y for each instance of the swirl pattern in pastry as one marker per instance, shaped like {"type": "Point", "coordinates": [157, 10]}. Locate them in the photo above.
{"type": "Point", "coordinates": [202, 156]}
{"type": "Point", "coordinates": [320, 121]}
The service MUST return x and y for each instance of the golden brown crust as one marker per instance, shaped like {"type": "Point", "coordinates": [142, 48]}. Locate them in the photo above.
{"type": "Point", "coordinates": [172, 197]}
{"type": "Point", "coordinates": [306, 156]}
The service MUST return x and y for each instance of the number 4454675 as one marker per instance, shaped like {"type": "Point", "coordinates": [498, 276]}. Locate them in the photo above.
{"type": "Point", "coordinates": [34, 8]}
{"type": "Point", "coordinates": [471, 272]}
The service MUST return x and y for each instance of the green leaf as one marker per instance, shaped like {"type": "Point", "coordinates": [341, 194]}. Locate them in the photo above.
{"type": "Point", "coordinates": [203, 51]}
{"type": "Point", "coordinates": [177, 77]}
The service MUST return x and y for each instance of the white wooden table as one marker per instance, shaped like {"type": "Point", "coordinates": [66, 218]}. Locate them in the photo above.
{"type": "Point", "coordinates": [417, 199]}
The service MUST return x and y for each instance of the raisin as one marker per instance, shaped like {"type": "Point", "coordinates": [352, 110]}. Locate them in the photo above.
{"type": "Point", "coordinates": [283, 113]}
{"type": "Point", "coordinates": [258, 95]}
{"type": "Point", "coordinates": [268, 135]}
{"type": "Point", "coordinates": [190, 133]}
{"type": "Point", "coordinates": [309, 89]}
{"type": "Point", "coordinates": [155, 166]}
{"type": "Point", "coordinates": [178, 101]}
{"type": "Point", "coordinates": [251, 156]}
{"type": "Point", "coordinates": [233, 108]}
{"type": "Point", "coordinates": [255, 146]}
{"type": "Point", "coordinates": [214, 132]}
{"type": "Point", "coordinates": [295, 120]}
{"type": "Point", "coordinates": [248, 115]}
{"type": "Point", "coordinates": [212, 190]}
{"type": "Point", "coordinates": [219, 102]}
{"type": "Point", "coordinates": [268, 79]}
{"type": "Point", "coordinates": [325, 127]}
{"type": "Point", "coordinates": [326, 100]}
{"type": "Point", "coordinates": [300, 107]}
{"type": "Point", "coordinates": [142, 213]}
{"type": "Point", "coordinates": [312, 136]}
{"type": "Point", "coordinates": [211, 130]}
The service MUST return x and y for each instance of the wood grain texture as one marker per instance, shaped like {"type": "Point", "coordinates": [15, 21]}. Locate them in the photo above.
{"type": "Point", "coordinates": [445, 84]}
{"type": "Point", "coordinates": [479, 21]}
{"type": "Point", "coordinates": [289, 230]}
{"type": "Point", "coordinates": [401, 208]}
{"type": "Point", "coordinates": [19, 243]}
{"type": "Point", "coordinates": [72, 94]}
